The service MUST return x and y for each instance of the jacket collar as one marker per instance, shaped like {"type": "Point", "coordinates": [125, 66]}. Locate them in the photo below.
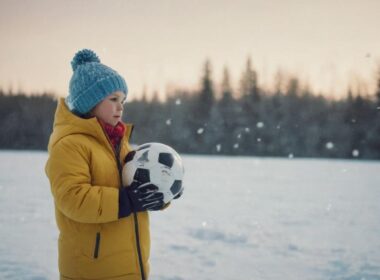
{"type": "Point", "coordinates": [67, 123]}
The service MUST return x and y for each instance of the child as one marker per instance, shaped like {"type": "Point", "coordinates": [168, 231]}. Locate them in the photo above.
{"type": "Point", "coordinates": [104, 226]}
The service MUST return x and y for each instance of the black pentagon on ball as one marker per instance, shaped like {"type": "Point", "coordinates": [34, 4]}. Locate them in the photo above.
{"type": "Point", "coordinates": [176, 187]}
{"type": "Point", "coordinates": [166, 159]}
{"type": "Point", "coordinates": [144, 157]}
{"type": "Point", "coordinates": [129, 156]}
{"type": "Point", "coordinates": [143, 147]}
{"type": "Point", "coordinates": [142, 175]}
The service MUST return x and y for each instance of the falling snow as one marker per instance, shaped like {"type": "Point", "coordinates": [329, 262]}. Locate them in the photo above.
{"type": "Point", "coordinates": [178, 102]}
{"type": "Point", "coordinates": [236, 145]}
{"type": "Point", "coordinates": [247, 129]}
{"type": "Point", "coordinates": [168, 121]}
{"type": "Point", "coordinates": [200, 130]}
{"type": "Point", "coordinates": [218, 147]}
{"type": "Point", "coordinates": [329, 145]}
{"type": "Point", "coordinates": [260, 125]}
{"type": "Point", "coordinates": [355, 153]}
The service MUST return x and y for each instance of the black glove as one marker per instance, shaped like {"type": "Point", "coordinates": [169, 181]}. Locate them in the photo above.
{"type": "Point", "coordinates": [139, 197]}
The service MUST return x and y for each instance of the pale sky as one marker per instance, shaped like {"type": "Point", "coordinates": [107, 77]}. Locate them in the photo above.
{"type": "Point", "coordinates": [160, 44]}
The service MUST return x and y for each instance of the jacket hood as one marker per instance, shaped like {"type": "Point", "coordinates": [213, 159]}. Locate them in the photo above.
{"type": "Point", "coordinates": [66, 123]}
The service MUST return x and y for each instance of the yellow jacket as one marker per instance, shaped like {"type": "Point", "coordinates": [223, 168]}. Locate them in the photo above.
{"type": "Point", "coordinates": [84, 176]}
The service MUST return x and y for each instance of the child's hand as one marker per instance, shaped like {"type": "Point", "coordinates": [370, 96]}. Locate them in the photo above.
{"type": "Point", "coordinates": [145, 196]}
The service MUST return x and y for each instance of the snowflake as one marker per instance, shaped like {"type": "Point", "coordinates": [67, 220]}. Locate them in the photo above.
{"type": "Point", "coordinates": [168, 121]}
{"type": "Point", "coordinates": [178, 101]}
{"type": "Point", "coordinates": [260, 125]}
{"type": "Point", "coordinates": [236, 145]}
{"type": "Point", "coordinates": [355, 153]}
{"type": "Point", "coordinates": [329, 145]}
{"type": "Point", "coordinates": [218, 147]}
{"type": "Point", "coordinates": [200, 130]}
{"type": "Point", "coordinates": [247, 129]}
{"type": "Point", "coordinates": [290, 156]}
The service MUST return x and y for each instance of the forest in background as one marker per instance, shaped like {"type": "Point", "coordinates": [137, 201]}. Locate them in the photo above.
{"type": "Point", "coordinates": [289, 121]}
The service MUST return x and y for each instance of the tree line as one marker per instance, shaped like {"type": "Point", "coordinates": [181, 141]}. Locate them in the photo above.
{"type": "Point", "coordinates": [289, 121]}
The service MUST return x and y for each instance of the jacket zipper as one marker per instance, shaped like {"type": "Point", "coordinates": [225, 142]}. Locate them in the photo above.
{"type": "Point", "coordinates": [97, 245]}
{"type": "Point", "coordinates": [117, 155]}
{"type": "Point", "coordinates": [135, 219]}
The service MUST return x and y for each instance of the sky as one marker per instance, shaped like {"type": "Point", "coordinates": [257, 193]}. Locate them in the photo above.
{"type": "Point", "coordinates": [160, 45]}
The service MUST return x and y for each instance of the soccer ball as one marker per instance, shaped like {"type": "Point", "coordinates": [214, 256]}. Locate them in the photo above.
{"type": "Point", "coordinates": [156, 163]}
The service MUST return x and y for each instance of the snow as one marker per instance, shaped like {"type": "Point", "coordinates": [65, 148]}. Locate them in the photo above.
{"type": "Point", "coordinates": [218, 147]}
{"type": "Point", "coordinates": [329, 145]}
{"type": "Point", "coordinates": [260, 125]}
{"type": "Point", "coordinates": [200, 130]}
{"type": "Point", "coordinates": [239, 218]}
{"type": "Point", "coordinates": [355, 153]}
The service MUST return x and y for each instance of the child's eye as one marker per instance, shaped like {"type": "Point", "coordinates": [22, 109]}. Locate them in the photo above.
{"type": "Point", "coordinates": [117, 99]}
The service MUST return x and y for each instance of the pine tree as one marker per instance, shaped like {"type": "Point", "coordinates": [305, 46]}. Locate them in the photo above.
{"type": "Point", "coordinates": [373, 133]}
{"type": "Point", "coordinates": [201, 110]}
{"type": "Point", "coordinates": [250, 104]}
{"type": "Point", "coordinates": [223, 118]}
{"type": "Point", "coordinates": [249, 83]}
{"type": "Point", "coordinates": [206, 95]}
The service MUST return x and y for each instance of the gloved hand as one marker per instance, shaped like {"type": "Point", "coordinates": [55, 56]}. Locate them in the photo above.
{"type": "Point", "coordinates": [139, 197]}
{"type": "Point", "coordinates": [145, 196]}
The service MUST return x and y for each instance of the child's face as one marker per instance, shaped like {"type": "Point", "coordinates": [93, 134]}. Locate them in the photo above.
{"type": "Point", "coordinates": [110, 110]}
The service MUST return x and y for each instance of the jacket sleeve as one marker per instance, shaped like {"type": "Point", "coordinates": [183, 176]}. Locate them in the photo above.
{"type": "Point", "coordinates": [68, 169]}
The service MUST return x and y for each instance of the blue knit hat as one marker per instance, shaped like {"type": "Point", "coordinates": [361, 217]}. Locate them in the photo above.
{"type": "Point", "coordinates": [91, 82]}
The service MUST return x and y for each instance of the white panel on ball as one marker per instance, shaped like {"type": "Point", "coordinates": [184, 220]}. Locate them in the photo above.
{"type": "Point", "coordinates": [156, 163]}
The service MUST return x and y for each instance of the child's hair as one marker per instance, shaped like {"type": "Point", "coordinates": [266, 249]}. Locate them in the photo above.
{"type": "Point", "coordinates": [91, 82]}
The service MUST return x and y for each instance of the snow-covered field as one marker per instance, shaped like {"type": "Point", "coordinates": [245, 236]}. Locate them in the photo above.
{"type": "Point", "coordinates": [239, 218]}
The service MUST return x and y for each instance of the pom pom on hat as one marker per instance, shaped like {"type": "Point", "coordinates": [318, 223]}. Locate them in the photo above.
{"type": "Point", "coordinates": [91, 82]}
{"type": "Point", "coordinates": [83, 57]}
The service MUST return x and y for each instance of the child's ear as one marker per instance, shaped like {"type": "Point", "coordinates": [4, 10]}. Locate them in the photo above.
{"type": "Point", "coordinates": [129, 156]}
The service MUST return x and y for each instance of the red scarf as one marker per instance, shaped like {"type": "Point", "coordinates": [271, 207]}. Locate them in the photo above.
{"type": "Point", "coordinates": [114, 133]}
